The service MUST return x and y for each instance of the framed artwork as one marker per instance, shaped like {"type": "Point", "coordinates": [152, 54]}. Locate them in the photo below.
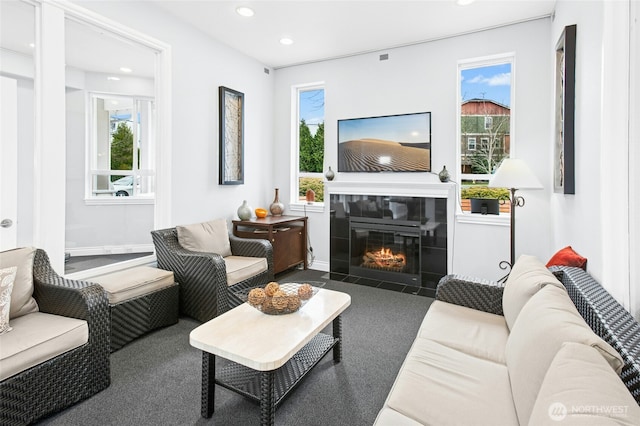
{"type": "Point", "coordinates": [231, 110]}
{"type": "Point", "coordinates": [564, 144]}
{"type": "Point", "coordinates": [391, 143]}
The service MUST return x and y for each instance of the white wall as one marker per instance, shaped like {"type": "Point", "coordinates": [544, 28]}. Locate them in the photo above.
{"type": "Point", "coordinates": [595, 221]}
{"type": "Point", "coordinates": [199, 65]}
{"type": "Point", "coordinates": [423, 78]}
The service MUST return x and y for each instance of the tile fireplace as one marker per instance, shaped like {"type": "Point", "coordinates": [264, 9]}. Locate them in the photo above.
{"type": "Point", "coordinates": [397, 239]}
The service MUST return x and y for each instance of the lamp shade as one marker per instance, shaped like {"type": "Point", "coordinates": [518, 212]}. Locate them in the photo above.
{"type": "Point", "coordinates": [514, 173]}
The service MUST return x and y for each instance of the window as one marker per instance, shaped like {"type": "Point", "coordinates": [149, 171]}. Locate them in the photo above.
{"type": "Point", "coordinates": [121, 162]}
{"type": "Point", "coordinates": [309, 143]}
{"type": "Point", "coordinates": [485, 114]}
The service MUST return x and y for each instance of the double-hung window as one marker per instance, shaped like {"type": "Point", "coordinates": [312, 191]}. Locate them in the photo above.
{"type": "Point", "coordinates": [308, 141]}
{"type": "Point", "coordinates": [121, 160]}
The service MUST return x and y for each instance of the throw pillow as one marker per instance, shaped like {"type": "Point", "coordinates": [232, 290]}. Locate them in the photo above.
{"type": "Point", "coordinates": [7, 276]}
{"type": "Point", "coordinates": [580, 388]}
{"type": "Point", "coordinates": [568, 257]}
{"type": "Point", "coordinates": [207, 237]}
{"type": "Point", "coordinates": [527, 277]}
{"type": "Point", "coordinates": [22, 301]}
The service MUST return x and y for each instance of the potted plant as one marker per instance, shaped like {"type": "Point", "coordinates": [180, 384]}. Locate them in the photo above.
{"type": "Point", "coordinates": [483, 200]}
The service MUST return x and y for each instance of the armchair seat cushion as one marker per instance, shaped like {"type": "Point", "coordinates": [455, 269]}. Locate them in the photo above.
{"type": "Point", "coordinates": [240, 268]}
{"type": "Point", "coordinates": [38, 337]}
{"type": "Point", "coordinates": [471, 331]}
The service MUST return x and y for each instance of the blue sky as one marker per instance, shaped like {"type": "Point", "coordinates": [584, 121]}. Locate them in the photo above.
{"type": "Point", "coordinates": [491, 82]}
{"type": "Point", "coordinates": [312, 106]}
{"type": "Point", "coordinates": [411, 128]}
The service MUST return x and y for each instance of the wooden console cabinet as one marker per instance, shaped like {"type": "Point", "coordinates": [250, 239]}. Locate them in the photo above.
{"type": "Point", "coordinates": [288, 235]}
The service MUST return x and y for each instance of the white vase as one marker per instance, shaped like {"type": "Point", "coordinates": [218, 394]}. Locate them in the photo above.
{"type": "Point", "coordinates": [244, 211]}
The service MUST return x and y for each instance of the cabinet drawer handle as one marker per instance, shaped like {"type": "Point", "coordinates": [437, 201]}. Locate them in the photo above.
{"type": "Point", "coordinates": [273, 240]}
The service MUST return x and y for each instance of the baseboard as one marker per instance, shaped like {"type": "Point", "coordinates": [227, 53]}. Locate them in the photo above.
{"type": "Point", "coordinates": [114, 267]}
{"type": "Point", "coordinates": [319, 266]}
{"type": "Point", "coordinates": [102, 250]}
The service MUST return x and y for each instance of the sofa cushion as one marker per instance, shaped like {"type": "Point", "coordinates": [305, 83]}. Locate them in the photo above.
{"type": "Point", "coordinates": [38, 337]}
{"type": "Point", "coordinates": [7, 276]}
{"type": "Point", "coordinates": [527, 277]}
{"type": "Point", "coordinates": [22, 301]}
{"type": "Point", "coordinates": [471, 331]}
{"type": "Point", "coordinates": [581, 388]}
{"type": "Point", "coordinates": [438, 385]}
{"type": "Point", "coordinates": [388, 416]}
{"type": "Point", "coordinates": [547, 321]}
{"type": "Point", "coordinates": [130, 283]}
{"type": "Point", "coordinates": [240, 268]}
{"type": "Point", "coordinates": [208, 237]}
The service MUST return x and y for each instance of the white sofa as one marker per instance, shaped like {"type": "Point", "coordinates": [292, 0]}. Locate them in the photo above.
{"type": "Point", "coordinates": [521, 354]}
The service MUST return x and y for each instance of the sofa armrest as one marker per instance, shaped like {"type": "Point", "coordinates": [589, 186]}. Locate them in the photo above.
{"type": "Point", "coordinates": [253, 247]}
{"type": "Point", "coordinates": [477, 294]}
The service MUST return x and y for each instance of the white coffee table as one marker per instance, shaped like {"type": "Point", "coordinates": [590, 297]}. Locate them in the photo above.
{"type": "Point", "coordinates": [270, 353]}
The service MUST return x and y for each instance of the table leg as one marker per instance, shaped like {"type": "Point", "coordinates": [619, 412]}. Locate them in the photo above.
{"type": "Point", "coordinates": [337, 334]}
{"type": "Point", "coordinates": [267, 398]}
{"type": "Point", "coordinates": [208, 384]}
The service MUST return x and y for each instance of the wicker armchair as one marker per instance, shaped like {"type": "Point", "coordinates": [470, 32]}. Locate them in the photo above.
{"type": "Point", "coordinates": [72, 376]}
{"type": "Point", "coordinates": [202, 277]}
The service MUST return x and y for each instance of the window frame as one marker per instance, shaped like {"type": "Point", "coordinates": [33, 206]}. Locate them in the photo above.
{"type": "Point", "coordinates": [478, 62]}
{"type": "Point", "coordinates": [295, 203]}
{"type": "Point", "coordinates": [91, 148]}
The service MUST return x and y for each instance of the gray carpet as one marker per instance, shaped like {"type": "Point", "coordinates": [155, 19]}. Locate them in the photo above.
{"type": "Point", "coordinates": [155, 380]}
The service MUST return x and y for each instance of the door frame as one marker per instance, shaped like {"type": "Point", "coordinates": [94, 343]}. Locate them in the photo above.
{"type": "Point", "coordinates": [49, 204]}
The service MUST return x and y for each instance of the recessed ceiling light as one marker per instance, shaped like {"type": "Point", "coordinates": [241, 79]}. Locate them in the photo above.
{"type": "Point", "coordinates": [113, 78]}
{"type": "Point", "coordinates": [464, 2]}
{"type": "Point", "coordinates": [32, 45]}
{"type": "Point", "coordinates": [125, 69]}
{"type": "Point", "coordinates": [245, 11]}
{"type": "Point", "coordinates": [286, 41]}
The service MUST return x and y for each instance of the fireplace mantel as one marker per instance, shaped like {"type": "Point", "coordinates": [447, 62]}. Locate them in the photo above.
{"type": "Point", "coordinates": [407, 189]}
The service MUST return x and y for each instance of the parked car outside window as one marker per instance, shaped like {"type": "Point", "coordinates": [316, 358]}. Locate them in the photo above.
{"type": "Point", "coordinates": [122, 187]}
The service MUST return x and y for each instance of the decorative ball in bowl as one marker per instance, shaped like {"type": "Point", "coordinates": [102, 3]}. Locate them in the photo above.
{"type": "Point", "coordinates": [280, 299]}
{"type": "Point", "coordinates": [261, 213]}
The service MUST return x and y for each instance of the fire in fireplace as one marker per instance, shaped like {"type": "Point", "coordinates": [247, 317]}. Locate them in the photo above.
{"type": "Point", "coordinates": [384, 259]}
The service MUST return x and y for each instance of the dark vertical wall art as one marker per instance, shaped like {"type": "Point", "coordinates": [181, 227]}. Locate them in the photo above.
{"type": "Point", "coordinates": [564, 153]}
{"type": "Point", "coordinates": [231, 108]}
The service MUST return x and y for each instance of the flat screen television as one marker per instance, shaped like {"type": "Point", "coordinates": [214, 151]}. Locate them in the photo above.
{"type": "Point", "coordinates": [390, 143]}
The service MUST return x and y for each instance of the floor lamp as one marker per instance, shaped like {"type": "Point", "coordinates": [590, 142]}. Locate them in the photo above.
{"type": "Point", "coordinates": [514, 174]}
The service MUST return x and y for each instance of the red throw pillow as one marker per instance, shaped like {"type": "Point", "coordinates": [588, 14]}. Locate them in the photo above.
{"type": "Point", "coordinates": [568, 257]}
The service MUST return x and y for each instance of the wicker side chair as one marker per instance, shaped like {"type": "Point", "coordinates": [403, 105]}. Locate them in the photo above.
{"type": "Point", "coordinates": [202, 277]}
{"type": "Point", "coordinates": [73, 376]}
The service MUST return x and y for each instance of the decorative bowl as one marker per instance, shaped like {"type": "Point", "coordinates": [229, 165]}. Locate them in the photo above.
{"type": "Point", "coordinates": [280, 304]}
{"type": "Point", "coordinates": [261, 213]}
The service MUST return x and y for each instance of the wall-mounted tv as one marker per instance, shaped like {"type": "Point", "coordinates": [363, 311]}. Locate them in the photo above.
{"type": "Point", "coordinates": [391, 143]}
